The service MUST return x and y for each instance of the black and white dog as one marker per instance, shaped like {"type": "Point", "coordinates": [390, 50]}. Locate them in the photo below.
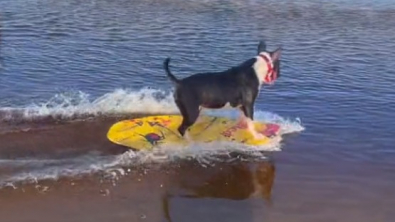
{"type": "Point", "coordinates": [237, 87]}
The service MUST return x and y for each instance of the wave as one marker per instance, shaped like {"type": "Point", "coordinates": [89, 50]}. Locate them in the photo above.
{"type": "Point", "coordinates": [147, 101]}
{"type": "Point", "coordinates": [75, 105]}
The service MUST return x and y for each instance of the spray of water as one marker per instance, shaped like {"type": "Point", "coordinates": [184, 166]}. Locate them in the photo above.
{"type": "Point", "coordinates": [122, 101]}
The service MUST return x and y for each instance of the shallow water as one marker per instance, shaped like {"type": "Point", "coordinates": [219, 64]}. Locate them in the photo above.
{"type": "Point", "coordinates": [69, 69]}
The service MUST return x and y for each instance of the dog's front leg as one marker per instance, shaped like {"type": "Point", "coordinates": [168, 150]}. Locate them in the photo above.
{"type": "Point", "coordinates": [242, 118]}
{"type": "Point", "coordinates": [199, 118]}
{"type": "Point", "coordinates": [248, 117]}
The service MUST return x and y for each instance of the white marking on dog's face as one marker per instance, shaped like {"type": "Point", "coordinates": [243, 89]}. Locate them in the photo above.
{"type": "Point", "coordinates": [261, 67]}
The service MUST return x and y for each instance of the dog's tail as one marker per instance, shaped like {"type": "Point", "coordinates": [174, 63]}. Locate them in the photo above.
{"type": "Point", "coordinates": [168, 72]}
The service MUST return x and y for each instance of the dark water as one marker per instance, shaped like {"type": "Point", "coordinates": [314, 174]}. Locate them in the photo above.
{"type": "Point", "coordinates": [69, 69]}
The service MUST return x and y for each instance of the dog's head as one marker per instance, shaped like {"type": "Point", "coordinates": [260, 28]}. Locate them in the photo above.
{"type": "Point", "coordinates": [267, 65]}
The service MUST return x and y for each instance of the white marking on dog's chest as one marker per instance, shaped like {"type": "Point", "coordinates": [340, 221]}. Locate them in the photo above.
{"type": "Point", "coordinates": [260, 67]}
{"type": "Point", "coordinates": [228, 106]}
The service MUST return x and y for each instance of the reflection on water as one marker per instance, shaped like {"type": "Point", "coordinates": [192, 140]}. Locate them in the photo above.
{"type": "Point", "coordinates": [236, 181]}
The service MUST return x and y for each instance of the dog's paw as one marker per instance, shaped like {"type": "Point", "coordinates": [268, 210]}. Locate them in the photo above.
{"type": "Point", "coordinates": [187, 137]}
{"type": "Point", "coordinates": [258, 136]}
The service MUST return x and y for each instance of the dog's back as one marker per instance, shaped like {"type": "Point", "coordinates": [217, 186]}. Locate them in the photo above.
{"type": "Point", "coordinates": [215, 89]}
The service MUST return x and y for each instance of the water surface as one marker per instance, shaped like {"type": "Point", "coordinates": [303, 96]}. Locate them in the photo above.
{"type": "Point", "coordinates": [69, 69]}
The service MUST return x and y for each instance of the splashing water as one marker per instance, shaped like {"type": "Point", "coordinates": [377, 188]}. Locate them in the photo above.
{"type": "Point", "coordinates": [71, 104]}
{"type": "Point", "coordinates": [126, 101]}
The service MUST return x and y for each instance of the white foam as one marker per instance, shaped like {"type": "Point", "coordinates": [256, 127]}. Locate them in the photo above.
{"type": "Point", "coordinates": [122, 101]}
{"type": "Point", "coordinates": [35, 170]}
{"type": "Point", "coordinates": [127, 101]}
{"type": "Point", "coordinates": [287, 125]}
{"type": "Point", "coordinates": [113, 166]}
{"type": "Point", "coordinates": [117, 102]}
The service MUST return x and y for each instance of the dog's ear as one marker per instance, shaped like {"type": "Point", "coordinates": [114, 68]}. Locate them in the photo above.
{"type": "Point", "coordinates": [276, 54]}
{"type": "Point", "coordinates": [261, 46]}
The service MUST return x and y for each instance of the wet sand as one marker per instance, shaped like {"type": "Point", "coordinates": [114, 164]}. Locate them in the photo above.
{"type": "Point", "coordinates": [279, 189]}
{"type": "Point", "coordinates": [288, 186]}
{"type": "Point", "coordinates": [153, 193]}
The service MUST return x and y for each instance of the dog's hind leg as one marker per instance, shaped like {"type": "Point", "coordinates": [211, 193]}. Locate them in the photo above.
{"type": "Point", "coordinates": [185, 117]}
{"type": "Point", "coordinates": [190, 113]}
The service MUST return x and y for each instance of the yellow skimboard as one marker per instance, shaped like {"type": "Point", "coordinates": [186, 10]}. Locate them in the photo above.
{"type": "Point", "coordinates": [148, 132]}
